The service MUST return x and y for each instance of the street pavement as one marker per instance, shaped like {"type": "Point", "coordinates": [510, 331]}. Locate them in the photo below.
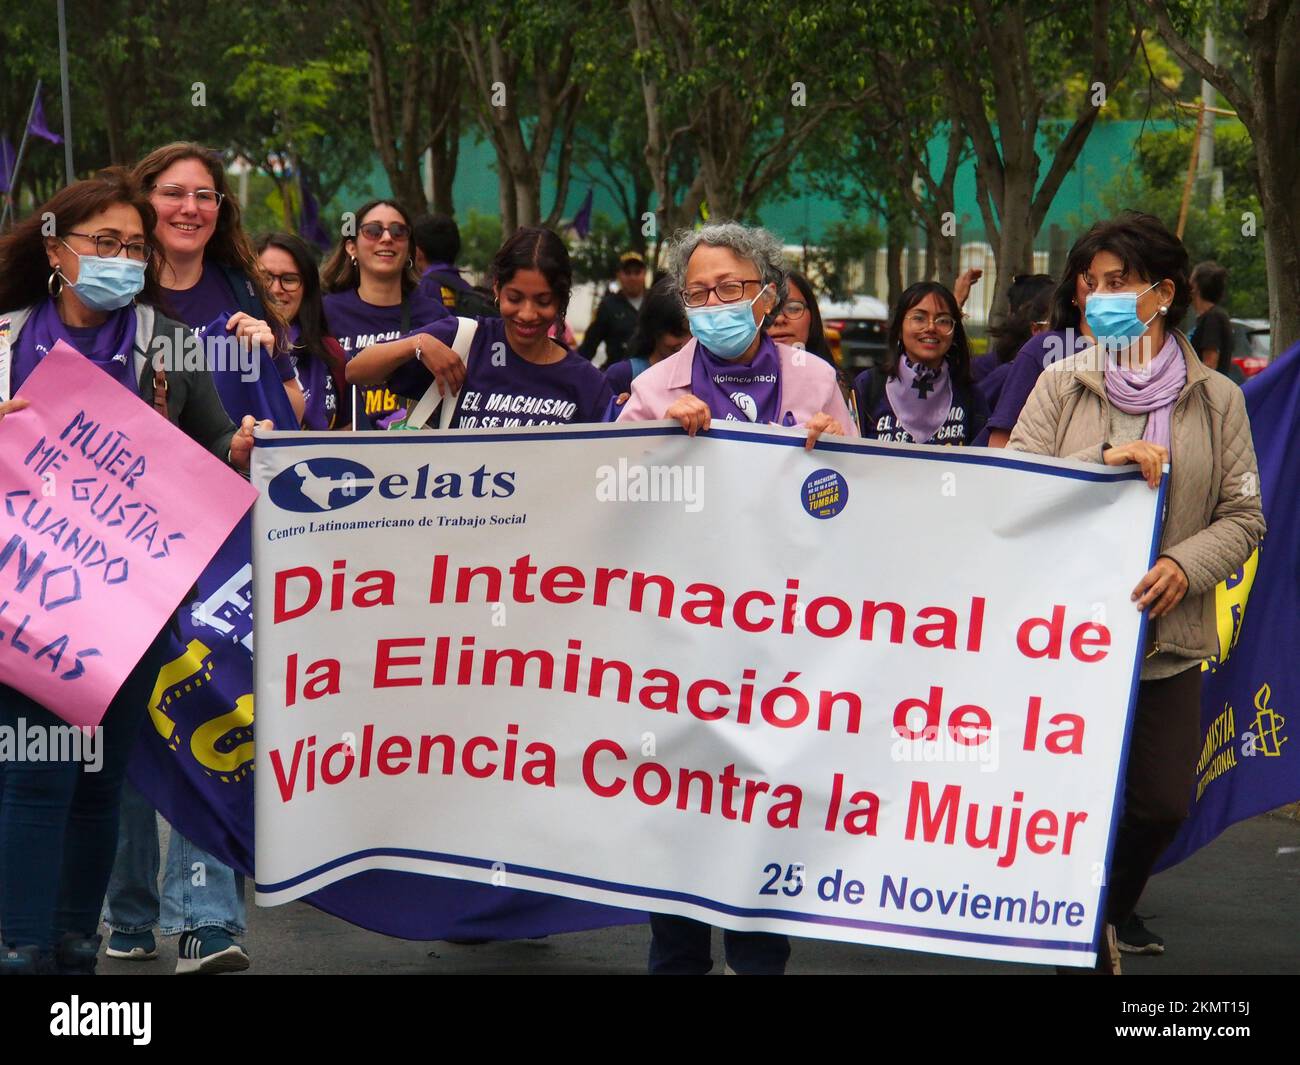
{"type": "Point", "coordinates": [1232, 908]}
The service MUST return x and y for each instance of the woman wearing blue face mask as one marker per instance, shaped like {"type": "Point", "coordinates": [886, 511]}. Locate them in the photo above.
{"type": "Point", "coordinates": [1142, 397]}
{"type": "Point", "coordinates": [93, 284]}
{"type": "Point", "coordinates": [732, 280]}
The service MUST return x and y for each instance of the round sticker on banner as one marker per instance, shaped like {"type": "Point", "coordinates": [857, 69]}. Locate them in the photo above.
{"type": "Point", "coordinates": [825, 494]}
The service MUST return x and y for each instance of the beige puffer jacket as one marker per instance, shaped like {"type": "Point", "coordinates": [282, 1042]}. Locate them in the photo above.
{"type": "Point", "coordinates": [1213, 519]}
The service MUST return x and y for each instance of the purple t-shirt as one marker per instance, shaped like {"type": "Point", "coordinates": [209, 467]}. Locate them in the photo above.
{"type": "Point", "coordinates": [1037, 352]}
{"type": "Point", "coordinates": [983, 365]}
{"type": "Point", "coordinates": [199, 305]}
{"type": "Point", "coordinates": [990, 385]}
{"type": "Point", "coordinates": [501, 389]}
{"type": "Point", "coordinates": [960, 427]}
{"type": "Point", "coordinates": [357, 325]}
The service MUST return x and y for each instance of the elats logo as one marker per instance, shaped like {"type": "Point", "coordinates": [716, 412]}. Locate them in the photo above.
{"type": "Point", "coordinates": [312, 486]}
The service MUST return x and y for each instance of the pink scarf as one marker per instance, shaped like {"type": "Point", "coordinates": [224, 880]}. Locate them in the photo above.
{"type": "Point", "coordinates": [1150, 390]}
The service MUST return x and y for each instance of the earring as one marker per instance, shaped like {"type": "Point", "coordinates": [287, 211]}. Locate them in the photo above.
{"type": "Point", "coordinates": [1164, 310]}
{"type": "Point", "coordinates": [354, 260]}
{"type": "Point", "coordinates": [410, 262]}
{"type": "Point", "coordinates": [54, 284]}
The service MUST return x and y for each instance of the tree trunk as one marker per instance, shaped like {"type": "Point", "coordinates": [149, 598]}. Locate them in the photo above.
{"type": "Point", "coordinates": [896, 238]}
{"type": "Point", "coordinates": [1280, 199]}
{"type": "Point", "coordinates": [507, 199]}
{"type": "Point", "coordinates": [445, 157]}
{"type": "Point", "coordinates": [1015, 246]}
{"type": "Point", "coordinates": [528, 199]}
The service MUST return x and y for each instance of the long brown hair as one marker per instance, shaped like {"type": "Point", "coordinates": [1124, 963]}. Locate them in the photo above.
{"type": "Point", "coordinates": [341, 273]}
{"type": "Point", "coordinates": [24, 266]}
{"type": "Point", "coordinates": [229, 244]}
{"type": "Point", "coordinates": [958, 357]}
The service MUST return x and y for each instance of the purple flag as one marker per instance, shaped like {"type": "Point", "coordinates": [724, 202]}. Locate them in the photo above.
{"type": "Point", "coordinates": [582, 220]}
{"type": "Point", "coordinates": [37, 124]}
{"type": "Point", "coordinates": [6, 164]}
{"type": "Point", "coordinates": [1250, 761]}
{"type": "Point", "coordinates": [309, 224]}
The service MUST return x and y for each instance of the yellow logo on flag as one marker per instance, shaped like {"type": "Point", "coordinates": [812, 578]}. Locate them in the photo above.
{"type": "Point", "coordinates": [1267, 726]}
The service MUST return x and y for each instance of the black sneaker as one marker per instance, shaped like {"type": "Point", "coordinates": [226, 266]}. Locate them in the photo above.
{"type": "Point", "coordinates": [1135, 938]}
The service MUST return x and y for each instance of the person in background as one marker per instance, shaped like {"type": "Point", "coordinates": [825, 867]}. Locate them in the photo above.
{"type": "Point", "coordinates": [1031, 304]}
{"type": "Point", "coordinates": [209, 272]}
{"type": "Point", "coordinates": [211, 280]}
{"type": "Point", "coordinates": [923, 393]}
{"type": "Point", "coordinates": [1016, 327]}
{"type": "Point", "coordinates": [1143, 398]}
{"type": "Point", "coordinates": [93, 284]}
{"type": "Point", "coordinates": [1211, 336]}
{"type": "Point", "coordinates": [661, 329]}
{"type": "Point", "coordinates": [371, 297]}
{"type": "Point", "coordinates": [616, 315]}
{"type": "Point", "coordinates": [1067, 333]}
{"type": "Point", "coordinates": [515, 373]}
{"type": "Point", "coordinates": [437, 247]}
{"type": "Point", "coordinates": [798, 321]}
{"type": "Point", "coordinates": [293, 283]}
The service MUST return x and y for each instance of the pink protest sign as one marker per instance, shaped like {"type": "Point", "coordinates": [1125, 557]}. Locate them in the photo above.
{"type": "Point", "coordinates": [108, 513]}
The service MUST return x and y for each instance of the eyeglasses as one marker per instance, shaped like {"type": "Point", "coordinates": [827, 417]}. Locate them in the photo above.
{"type": "Point", "coordinates": [794, 309]}
{"type": "Point", "coordinates": [288, 282]}
{"type": "Point", "coordinates": [944, 323]}
{"type": "Point", "coordinates": [728, 292]}
{"type": "Point", "coordinates": [206, 200]}
{"type": "Point", "coordinates": [108, 247]}
{"type": "Point", "coordinates": [376, 230]}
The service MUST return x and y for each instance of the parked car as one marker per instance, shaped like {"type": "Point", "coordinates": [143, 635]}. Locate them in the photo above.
{"type": "Point", "coordinates": [1252, 346]}
{"type": "Point", "coordinates": [861, 323]}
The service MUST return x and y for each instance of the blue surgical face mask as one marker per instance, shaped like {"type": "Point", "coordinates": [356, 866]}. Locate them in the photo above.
{"type": "Point", "coordinates": [107, 284]}
{"type": "Point", "coordinates": [1113, 318]}
{"type": "Point", "coordinates": [726, 329]}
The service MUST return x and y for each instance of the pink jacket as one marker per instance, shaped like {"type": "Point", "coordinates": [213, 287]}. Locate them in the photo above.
{"type": "Point", "coordinates": [808, 387]}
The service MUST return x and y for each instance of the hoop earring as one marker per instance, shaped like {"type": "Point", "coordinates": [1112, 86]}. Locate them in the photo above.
{"type": "Point", "coordinates": [54, 284]}
{"type": "Point", "coordinates": [410, 262]}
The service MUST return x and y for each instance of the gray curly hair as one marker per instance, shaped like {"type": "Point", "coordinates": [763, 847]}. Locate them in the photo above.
{"type": "Point", "coordinates": [748, 242]}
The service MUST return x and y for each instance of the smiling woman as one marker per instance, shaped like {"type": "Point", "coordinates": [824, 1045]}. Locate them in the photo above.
{"type": "Point", "coordinates": [923, 394]}
{"type": "Point", "coordinates": [371, 297]}
{"type": "Point", "coordinates": [207, 266]}
{"type": "Point", "coordinates": [514, 373]}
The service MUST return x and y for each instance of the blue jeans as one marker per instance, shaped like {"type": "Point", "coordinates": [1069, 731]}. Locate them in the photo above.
{"type": "Point", "coordinates": [199, 891]}
{"type": "Point", "coordinates": [680, 946]}
{"type": "Point", "coordinates": [59, 817]}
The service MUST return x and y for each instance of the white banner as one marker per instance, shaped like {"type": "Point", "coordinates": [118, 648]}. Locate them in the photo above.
{"type": "Point", "coordinates": [875, 693]}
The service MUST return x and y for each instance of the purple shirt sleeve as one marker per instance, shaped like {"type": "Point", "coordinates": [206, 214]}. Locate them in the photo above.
{"type": "Point", "coordinates": [1019, 382]}
{"type": "Point", "coordinates": [619, 377]}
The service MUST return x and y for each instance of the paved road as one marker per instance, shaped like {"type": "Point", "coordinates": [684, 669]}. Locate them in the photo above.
{"type": "Point", "coordinates": [1232, 908]}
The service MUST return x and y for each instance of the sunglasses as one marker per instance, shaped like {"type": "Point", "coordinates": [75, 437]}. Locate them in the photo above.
{"type": "Point", "coordinates": [376, 230]}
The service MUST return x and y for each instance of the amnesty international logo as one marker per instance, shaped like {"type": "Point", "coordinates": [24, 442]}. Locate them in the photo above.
{"type": "Point", "coordinates": [1267, 727]}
